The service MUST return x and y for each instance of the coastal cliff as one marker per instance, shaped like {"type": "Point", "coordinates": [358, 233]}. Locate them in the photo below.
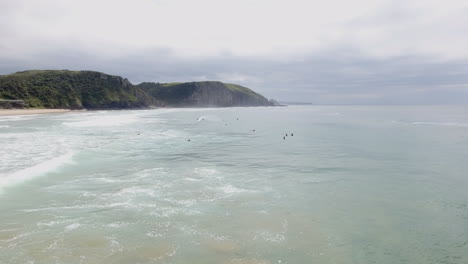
{"type": "Point", "coordinates": [204, 94]}
{"type": "Point", "coordinates": [73, 90]}
{"type": "Point", "coordinates": [94, 90]}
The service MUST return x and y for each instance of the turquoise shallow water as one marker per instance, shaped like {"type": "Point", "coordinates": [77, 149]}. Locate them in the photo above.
{"type": "Point", "coordinates": [355, 184]}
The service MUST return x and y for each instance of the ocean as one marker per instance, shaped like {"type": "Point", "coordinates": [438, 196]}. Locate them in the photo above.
{"type": "Point", "coordinates": [260, 185]}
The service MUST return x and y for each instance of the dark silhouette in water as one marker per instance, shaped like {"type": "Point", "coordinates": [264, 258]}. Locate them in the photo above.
{"type": "Point", "coordinates": [284, 138]}
{"type": "Point", "coordinates": [253, 130]}
{"type": "Point", "coordinates": [188, 140]}
{"type": "Point", "coordinates": [286, 134]}
{"type": "Point", "coordinates": [292, 134]}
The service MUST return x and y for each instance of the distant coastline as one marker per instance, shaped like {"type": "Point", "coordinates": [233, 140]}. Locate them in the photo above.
{"type": "Point", "coordinates": [64, 89]}
{"type": "Point", "coordinates": [296, 103]}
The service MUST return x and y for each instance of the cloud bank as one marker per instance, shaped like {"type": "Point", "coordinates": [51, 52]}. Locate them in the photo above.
{"type": "Point", "coordinates": [338, 52]}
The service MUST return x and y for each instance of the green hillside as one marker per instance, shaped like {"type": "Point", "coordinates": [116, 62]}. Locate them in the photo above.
{"type": "Point", "coordinates": [95, 90]}
{"type": "Point", "coordinates": [73, 89]}
{"type": "Point", "coordinates": [204, 94]}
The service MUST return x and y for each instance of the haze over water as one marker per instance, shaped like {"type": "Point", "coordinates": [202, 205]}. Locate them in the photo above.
{"type": "Point", "coordinates": [355, 184]}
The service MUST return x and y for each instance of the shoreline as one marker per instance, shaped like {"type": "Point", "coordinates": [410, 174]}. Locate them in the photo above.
{"type": "Point", "coordinates": [35, 111]}
{"type": "Point", "coordinates": [13, 112]}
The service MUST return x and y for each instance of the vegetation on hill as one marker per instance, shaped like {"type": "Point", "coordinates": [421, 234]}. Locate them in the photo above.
{"type": "Point", "coordinates": [208, 93]}
{"type": "Point", "coordinates": [95, 90]}
{"type": "Point", "coordinates": [73, 89]}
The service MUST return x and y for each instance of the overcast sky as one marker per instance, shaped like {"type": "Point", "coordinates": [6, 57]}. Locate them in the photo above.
{"type": "Point", "coordinates": [334, 51]}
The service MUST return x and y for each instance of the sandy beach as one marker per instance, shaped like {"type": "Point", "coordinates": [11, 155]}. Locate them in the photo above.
{"type": "Point", "coordinates": [9, 112]}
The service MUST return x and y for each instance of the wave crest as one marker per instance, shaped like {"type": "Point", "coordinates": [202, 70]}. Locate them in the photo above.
{"type": "Point", "coordinates": [35, 171]}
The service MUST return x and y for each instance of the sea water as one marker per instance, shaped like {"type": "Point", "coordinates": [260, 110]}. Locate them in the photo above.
{"type": "Point", "coordinates": [298, 184]}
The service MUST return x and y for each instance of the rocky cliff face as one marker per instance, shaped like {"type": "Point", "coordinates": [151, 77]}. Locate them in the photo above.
{"type": "Point", "coordinates": [204, 94]}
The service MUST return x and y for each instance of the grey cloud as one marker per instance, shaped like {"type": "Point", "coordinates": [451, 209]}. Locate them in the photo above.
{"type": "Point", "coordinates": [332, 77]}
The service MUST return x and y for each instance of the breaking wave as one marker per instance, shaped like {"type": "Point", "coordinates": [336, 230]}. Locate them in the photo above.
{"type": "Point", "coordinates": [35, 171]}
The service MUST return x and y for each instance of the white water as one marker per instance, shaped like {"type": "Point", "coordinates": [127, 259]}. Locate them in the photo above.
{"type": "Point", "coordinates": [38, 170]}
{"type": "Point", "coordinates": [355, 184]}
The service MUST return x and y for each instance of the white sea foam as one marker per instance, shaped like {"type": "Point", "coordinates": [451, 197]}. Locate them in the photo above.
{"type": "Point", "coordinates": [191, 179]}
{"type": "Point", "coordinates": [229, 189]}
{"type": "Point", "coordinates": [72, 226]}
{"type": "Point", "coordinates": [442, 124]}
{"type": "Point", "coordinates": [204, 172]}
{"type": "Point", "coordinates": [211, 118]}
{"type": "Point", "coordinates": [103, 121]}
{"type": "Point", "coordinates": [35, 171]}
{"type": "Point", "coordinates": [108, 180]}
{"type": "Point", "coordinates": [4, 126]}
{"type": "Point", "coordinates": [135, 191]}
{"type": "Point", "coordinates": [17, 118]}
{"type": "Point", "coordinates": [126, 204]}
{"type": "Point", "coordinates": [52, 223]}
{"type": "Point", "coordinates": [117, 224]}
{"type": "Point", "coordinates": [185, 203]}
{"type": "Point", "coordinates": [270, 237]}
